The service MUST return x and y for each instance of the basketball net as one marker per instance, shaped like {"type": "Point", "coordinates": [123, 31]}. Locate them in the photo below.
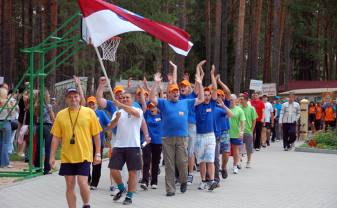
{"type": "Point", "coordinates": [109, 49]}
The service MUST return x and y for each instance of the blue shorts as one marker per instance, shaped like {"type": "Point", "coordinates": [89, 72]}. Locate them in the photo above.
{"type": "Point", "coordinates": [225, 145]}
{"type": "Point", "coordinates": [235, 141]}
{"type": "Point", "coordinates": [73, 169]}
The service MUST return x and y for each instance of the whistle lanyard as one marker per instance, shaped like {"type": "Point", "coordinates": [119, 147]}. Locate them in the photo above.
{"type": "Point", "coordinates": [73, 125]}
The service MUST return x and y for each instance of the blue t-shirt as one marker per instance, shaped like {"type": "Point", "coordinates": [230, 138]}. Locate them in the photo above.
{"type": "Point", "coordinates": [278, 107]}
{"type": "Point", "coordinates": [175, 116]}
{"type": "Point", "coordinates": [191, 114]}
{"type": "Point", "coordinates": [103, 120]}
{"type": "Point", "coordinates": [205, 117]}
{"type": "Point", "coordinates": [221, 122]}
{"type": "Point", "coordinates": [154, 125]}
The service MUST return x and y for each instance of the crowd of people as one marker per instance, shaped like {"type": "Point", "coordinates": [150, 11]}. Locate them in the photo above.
{"type": "Point", "coordinates": [187, 126]}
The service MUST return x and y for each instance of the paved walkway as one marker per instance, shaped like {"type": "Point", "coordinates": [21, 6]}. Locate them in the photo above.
{"type": "Point", "coordinates": [277, 179]}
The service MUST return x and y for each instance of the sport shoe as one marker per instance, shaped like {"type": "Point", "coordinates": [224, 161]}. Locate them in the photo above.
{"type": "Point", "coordinates": [189, 179]}
{"type": "Point", "coordinates": [143, 186]}
{"type": "Point", "coordinates": [170, 194]}
{"type": "Point", "coordinates": [213, 185]}
{"type": "Point", "coordinates": [257, 149]}
{"type": "Point", "coordinates": [154, 186]}
{"type": "Point", "coordinates": [224, 174]}
{"type": "Point", "coordinates": [112, 188]}
{"type": "Point", "coordinates": [86, 206]}
{"type": "Point", "coordinates": [183, 187]}
{"type": "Point", "coordinates": [235, 170]}
{"type": "Point", "coordinates": [127, 201]}
{"type": "Point", "coordinates": [239, 166]}
{"type": "Point", "coordinates": [248, 165]}
{"type": "Point", "coordinates": [119, 194]}
{"type": "Point", "coordinates": [93, 188]}
{"type": "Point", "coordinates": [202, 186]}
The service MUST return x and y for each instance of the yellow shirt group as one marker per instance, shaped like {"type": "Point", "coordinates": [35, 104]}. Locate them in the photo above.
{"type": "Point", "coordinates": [86, 127]}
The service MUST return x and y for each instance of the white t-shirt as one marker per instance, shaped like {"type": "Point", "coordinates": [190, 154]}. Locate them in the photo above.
{"type": "Point", "coordinates": [128, 129]}
{"type": "Point", "coordinates": [268, 110]}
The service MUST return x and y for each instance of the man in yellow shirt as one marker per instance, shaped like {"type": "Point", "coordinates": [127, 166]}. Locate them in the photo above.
{"type": "Point", "coordinates": [74, 128]}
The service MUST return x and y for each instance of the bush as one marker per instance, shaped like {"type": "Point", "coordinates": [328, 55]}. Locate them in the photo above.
{"type": "Point", "coordinates": [326, 139]}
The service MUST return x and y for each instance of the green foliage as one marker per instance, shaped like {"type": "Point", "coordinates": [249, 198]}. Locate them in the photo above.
{"type": "Point", "coordinates": [327, 140]}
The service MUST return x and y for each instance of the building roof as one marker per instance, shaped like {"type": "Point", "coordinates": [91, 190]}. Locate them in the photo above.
{"type": "Point", "coordinates": [309, 91]}
{"type": "Point", "coordinates": [305, 84]}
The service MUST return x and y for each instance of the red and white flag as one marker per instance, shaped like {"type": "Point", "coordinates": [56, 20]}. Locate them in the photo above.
{"type": "Point", "coordinates": [104, 20]}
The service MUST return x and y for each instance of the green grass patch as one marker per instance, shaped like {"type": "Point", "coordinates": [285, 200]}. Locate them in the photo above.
{"type": "Point", "coordinates": [326, 139]}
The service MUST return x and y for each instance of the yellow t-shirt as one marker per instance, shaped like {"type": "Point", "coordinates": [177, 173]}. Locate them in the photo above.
{"type": "Point", "coordinates": [86, 127]}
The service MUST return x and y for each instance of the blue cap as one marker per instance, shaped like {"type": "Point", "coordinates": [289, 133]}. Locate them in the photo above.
{"type": "Point", "coordinates": [277, 97]}
{"type": "Point", "coordinates": [71, 90]}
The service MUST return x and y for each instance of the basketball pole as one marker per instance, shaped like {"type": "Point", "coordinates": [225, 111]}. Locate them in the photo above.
{"type": "Point", "coordinates": [104, 72]}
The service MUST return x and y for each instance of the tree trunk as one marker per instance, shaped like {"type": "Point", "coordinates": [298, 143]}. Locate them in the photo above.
{"type": "Point", "coordinates": [7, 54]}
{"type": "Point", "coordinates": [217, 35]}
{"type": "Point", "coordinates": [224, 42]}
{"type": "Point", "coordinates": [51, 80]}
{"type": "Point", "coordinates": [255, 39]}
{"type": "Point", "coordinates": [276, 42]}
{"type": "Point", "coordinates": [180, 60]}
{"type": "Point", "coordinates": [267, 44]}
{"type": "Point", "coordinates": [208, 41]}
{"type": "Point", "coordinates": [239, 47]}
{"type": "Point", "coordinates": [165, 62]}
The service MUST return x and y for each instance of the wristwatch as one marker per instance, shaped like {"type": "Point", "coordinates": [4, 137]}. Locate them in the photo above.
{"type": "Point", "coordinates": [98, 154]}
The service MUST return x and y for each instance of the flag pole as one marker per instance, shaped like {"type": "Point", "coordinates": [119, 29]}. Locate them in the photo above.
{"type": "Point", "coordinates": [104, 72]}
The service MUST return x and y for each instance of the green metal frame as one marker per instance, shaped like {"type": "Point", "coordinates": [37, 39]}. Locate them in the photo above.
{"type": "Point", "coordinates": [70, 45]}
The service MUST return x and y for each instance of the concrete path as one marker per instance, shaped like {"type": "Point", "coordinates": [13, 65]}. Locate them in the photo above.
{"type": "Point", "coordinates": [277, 179]}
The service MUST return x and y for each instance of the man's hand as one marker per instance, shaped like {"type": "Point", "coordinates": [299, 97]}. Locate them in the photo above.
{"type": "Point", "coordinates": [213, 70]}
{"type": "Point", "coordinates": [220, 102]}
{"type": "Point", "coordinates": [157, 77]}
{"type": "Point", "coordinates": [52, 162]}
{"type": "Point", "coordinates": [98, 159]}
{"type": "Point", "coordinates": [77, 80]}
{"type": "Point", "coordinates": [102, 81]}
{"type": "Point", "coordinates": [241, 134]}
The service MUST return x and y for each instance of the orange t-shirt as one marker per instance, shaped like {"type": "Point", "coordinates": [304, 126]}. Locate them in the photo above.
{"type": "Point", "coordinates": [312, 110]}
{"type": "Point", "coordinates": [318, 113]}
{"type": "Point", "coordinates": [329, 113]}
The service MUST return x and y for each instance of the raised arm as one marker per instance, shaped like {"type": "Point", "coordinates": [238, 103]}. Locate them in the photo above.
{"type": "Point", "coordinates": [99, 93]}
{"type": "Point", "coordinates": [174, 73]}
{"type": "Point", "coordinates": [198, 82]}
{"type": "Point", "coordinates": [229, 113]}
{"type": "Point", "coordinates": [142, 99]}
{"type": "Point", "coordinates": [80, 90]}
{"type": "Point", "coordinates": [146, 85]}
{"type": "Point", "coordinates": [153, 92]}
{"type": "Point", "coordinates": [214, 84]}
{"type": "Point", "coordinates": [224, 87]}
{"type": "Point", "coordinates": [200, 73]}
{"type": "Point", "coordinates": [128, 109]}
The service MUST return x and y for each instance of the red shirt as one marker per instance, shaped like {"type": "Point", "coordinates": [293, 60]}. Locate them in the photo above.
{"type": "Point", "coordinates": [259, 107]}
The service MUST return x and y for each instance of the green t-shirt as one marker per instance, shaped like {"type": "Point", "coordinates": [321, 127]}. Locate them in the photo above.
{"type": "Point", "coordinates": [251, 116]}
{"type": "Point", "coordinates": [234, 121]}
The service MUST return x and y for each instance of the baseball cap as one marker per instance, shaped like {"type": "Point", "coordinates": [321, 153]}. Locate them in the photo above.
{"type": "Point", "coordinates": [139, 90]}
{"type": "Point", "coordinates": [71, 90]}
{"type": "Point", "coordinates": [207, 89]}
{"type": "Point", "coordinates": [151, 105]}
{"type": "Point", "coordinates": [220, 92]}
{"type": "Point", "coordinates": [118, 88]}
{"type": "Point", "coordinates": [185, 83]}
{"type": "Point", "coordinates": [173, 87]}
{"type": "Point", "coordinates": [91, 99]}
{"type": "Point", "coordinates": [277, 97]}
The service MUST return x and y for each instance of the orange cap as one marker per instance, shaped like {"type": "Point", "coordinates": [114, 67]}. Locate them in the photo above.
{"type": "Point", "coordinates": [91, 99]}
{"type": "Point", "coordinates": [220, 92]}
{"type": "Point", "coordinates": [139, 90]}
{"type": "Point", "coordinates": [151, 105]}
{"type": "Point", "coordinates": [118, 88]}
{"type": "Point", "coordinates": [207, 89]}
{"type": "Point", "coordinates": [185, 83]}
{"type": "Point", "coordinates": [173, 87]}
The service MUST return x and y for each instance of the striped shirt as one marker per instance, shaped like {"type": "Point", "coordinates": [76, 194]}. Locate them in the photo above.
{"type": "Point", "coordinates": [290, 113]}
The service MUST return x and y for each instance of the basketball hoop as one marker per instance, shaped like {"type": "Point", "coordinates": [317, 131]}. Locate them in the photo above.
{"type": "Point", "coordinates": [109, 49]}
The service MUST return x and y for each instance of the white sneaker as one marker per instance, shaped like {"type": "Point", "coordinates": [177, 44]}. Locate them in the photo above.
{"type": "Point", "coordinates": [235, 170]}
{"type": "Point", "coordinates": [203, 186]}
{"type": "Point", "coordinates": [248, 165]}
{"type": "Point", "coordinates": [154, 186]}
{"type": "Point", "coordinates": [189, 180]}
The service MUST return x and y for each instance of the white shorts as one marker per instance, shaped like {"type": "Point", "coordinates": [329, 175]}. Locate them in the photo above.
{"type": "Point", "coordinates": [205, 147]}
{"type": "Point", "coordinates": [192, 134]}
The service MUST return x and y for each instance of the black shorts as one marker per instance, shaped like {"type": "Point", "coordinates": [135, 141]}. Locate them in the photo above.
{"type": "Point", "coordinates": [129, 155]}
{"type": "Point", "coordinates": [268, 125]}
{"type": "Point", "coordinates": [312, 118]}
{"type": "Point", "coordinates": [73, 169]}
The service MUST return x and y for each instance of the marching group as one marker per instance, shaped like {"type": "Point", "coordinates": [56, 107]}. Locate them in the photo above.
{"type": "Point", "coordinates": [190, 125]}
